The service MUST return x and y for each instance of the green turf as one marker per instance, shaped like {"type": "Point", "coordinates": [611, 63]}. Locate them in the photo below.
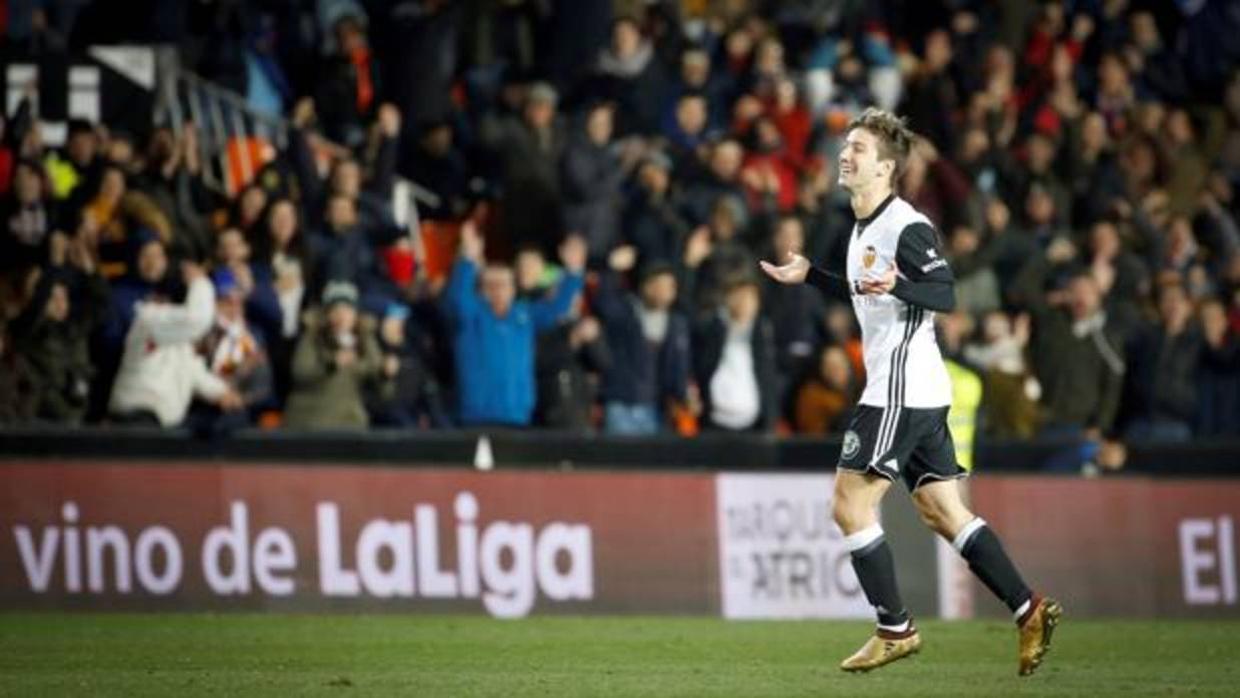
{"type": "Point", "coordinates": [282, 655]}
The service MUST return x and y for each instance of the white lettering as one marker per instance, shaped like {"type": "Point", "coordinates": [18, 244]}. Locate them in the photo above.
{"type": "Point", "coordinates": [274, 553]}
{"type": "Point", "coordinates": [38, 566]}
{"type": "Point", "coordinates": [333, 580]}
{"type": "Point", "coordinates": [150, 539]}
{"type": "Point", "coordinates": [232, 538]}
{"type": "Point", "coordinates": [467, 544]}
{"type": "Point", "coordinates": [397, 538]}
{"type": "Point", "coordinates": [435, 582]}
{"type": "Point", "coordinates": [1227, 559]}
{"type": "Point", "coordinates": [1193, 562]}
{"type": "Point", "coordinates": [578, 581]}
{"type": "Point", "coordinates": [71, 549]}
{"type": "Point", "coordinates": [505, 563]}
{"type": "Point", "coordinates": [114, 538]}
{"type": "Point", "coordinates": [511, 589]}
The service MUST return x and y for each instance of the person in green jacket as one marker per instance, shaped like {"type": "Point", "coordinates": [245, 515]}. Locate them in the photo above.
{"type": "Point", "coordinates": [336, 358]}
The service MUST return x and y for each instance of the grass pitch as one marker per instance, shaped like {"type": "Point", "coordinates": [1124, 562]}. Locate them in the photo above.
{"type": "Point", "coordinates": [292, 655]}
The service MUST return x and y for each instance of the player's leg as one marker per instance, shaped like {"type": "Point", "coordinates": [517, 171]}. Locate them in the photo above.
{"type": "Point", "coordinates": [943, 510]}
{"type": "Point", "coordinates": [855, 510]}
{"type": "Point", "coordinates": [859, 487]}
{"type": "Point", "coordinates": [936, 494]}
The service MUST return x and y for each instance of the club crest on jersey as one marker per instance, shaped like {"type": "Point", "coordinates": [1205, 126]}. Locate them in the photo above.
{"type": "Point", "coordinates": [852, 444]}
{"type": "Point", "coordinates": [868, 257]}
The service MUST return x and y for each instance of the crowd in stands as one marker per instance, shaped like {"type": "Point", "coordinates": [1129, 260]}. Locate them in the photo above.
{"type": "Point", "coordinates": [609, 173]}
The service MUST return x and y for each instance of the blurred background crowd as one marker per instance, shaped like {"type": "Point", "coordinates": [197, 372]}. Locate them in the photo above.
{"type": "Point", "coordinates": [604, 175]}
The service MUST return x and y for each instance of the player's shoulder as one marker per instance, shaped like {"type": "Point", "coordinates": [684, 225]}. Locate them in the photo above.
{"type": "Point", "coordinates": [904, 214]}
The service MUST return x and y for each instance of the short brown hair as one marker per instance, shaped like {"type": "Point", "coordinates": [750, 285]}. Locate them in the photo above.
{"type": "Point", "coordinates": [894, 137]}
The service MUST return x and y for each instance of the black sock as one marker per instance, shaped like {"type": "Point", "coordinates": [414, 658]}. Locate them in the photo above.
{"type": "Point", "coordinates": [991, 564]}
{"type": "Point", "coordinates": [876, 569]}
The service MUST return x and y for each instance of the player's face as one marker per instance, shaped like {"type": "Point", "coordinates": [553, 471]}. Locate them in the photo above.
{"type": "Point", "coordinates": [860, 167]}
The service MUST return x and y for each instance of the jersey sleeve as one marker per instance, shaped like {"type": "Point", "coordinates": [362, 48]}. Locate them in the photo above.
{"type": "Point", "coordinates": [828, 282]}
{"type": "Point", "coordinates": [926, 279]}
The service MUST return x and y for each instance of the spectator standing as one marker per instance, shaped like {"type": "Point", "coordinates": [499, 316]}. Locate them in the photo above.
{"type": "Point", "coordinates": [160, 371]}
{"type": "Point", "coordinates": [568, 360]}
{"type": "Point", "coordinates": [336, 360]}
{"type": "Point", "coordinates": [235, 354]}
{"type": "Point", "coordinates": [27, 217]}
{"type": "Point", "coordinates": [652, 221]}
{"type": "Point", "coordinates": [734, 357]}
{"type": "Point", "coordinates": [592, 174]}
{"type": "Point", "coordinates": [1218, 380]}
{"type": "Point", "coordinates": [53, 337]}
{"type": "Point", "coordinates": [494, 332]}
{"type": "Point", "coordinates": [631, 74]}
{"type": "Point", "coordinates": [797, 311]}
{"type": "Point", "coordinates": [1078, 361]}
{"type": "Point", "coordinates": [649, 343]}
{"type": "Point", "coordinates": [529, 150]}
{"type": "Point", "coordinates": [1162, 380]}
{"type": "Point", "coordinates": [347, 87]}
{"type": "Point", "coordinates": [280, 269]}
{"type": "Point", "coordinates": [406, 394]}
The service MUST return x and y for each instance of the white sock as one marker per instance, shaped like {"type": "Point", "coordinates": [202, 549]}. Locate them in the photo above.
{"type": "Point", "coordinates": [901, 628]}
{"type": "Point", "coordinates": [856, 541]}
{"type": "Point", "coordinates": [1021, 611]}
{"type": "Point", "coordinates": [962, 538]}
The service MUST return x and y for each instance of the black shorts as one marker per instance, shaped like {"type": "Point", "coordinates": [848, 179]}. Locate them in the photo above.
{"type": "Point", "coordinates": [912, 444]}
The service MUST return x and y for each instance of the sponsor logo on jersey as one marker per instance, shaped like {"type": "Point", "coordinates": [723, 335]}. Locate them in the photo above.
{"type": "Point", "coordinates": [927, 268]}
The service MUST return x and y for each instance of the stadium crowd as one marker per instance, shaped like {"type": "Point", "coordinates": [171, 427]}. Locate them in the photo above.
{"type": "Point", "coordinates": [610, 172]}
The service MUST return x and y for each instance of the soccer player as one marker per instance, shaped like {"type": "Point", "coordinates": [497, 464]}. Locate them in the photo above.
{"type": "Point", "coordinates": [896, 278]}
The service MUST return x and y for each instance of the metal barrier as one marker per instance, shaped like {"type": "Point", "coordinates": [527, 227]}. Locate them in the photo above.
{"type": "Point", "coordinates": [231, 134]}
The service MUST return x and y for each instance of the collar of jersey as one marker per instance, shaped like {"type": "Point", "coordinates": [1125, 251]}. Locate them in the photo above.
{"type": "Point", "coordinates": [863, 222]}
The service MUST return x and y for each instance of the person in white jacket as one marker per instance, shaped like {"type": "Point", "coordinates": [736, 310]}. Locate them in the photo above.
{"type": "Point", "coordinates": [160, 371]}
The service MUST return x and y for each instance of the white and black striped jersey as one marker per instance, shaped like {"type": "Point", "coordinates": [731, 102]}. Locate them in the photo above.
{"type": "Point", "coordinates": [902, 361]}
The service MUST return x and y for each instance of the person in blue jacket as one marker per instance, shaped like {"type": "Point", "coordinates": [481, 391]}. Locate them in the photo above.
{"type": "Point", "coordinates": [494, 332]}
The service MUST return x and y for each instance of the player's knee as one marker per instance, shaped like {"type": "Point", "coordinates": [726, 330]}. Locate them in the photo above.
{"type": "Point", "coordinates": [934, 520]}
{"type": "Point", "coordinates": [851, 514]}
{"type": "Point", "coordinates": [933, 515]}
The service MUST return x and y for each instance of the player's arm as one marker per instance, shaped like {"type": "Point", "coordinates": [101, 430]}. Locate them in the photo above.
{"type": "Point", "coordinates": [798, 269]}
{"type": "Point", "coordinates": [829, 282]}
{"type": "Point", "coordinates": [925, 278]}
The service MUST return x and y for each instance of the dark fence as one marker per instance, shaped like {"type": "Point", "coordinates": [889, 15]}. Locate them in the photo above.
{"type": "Point", "coordinates": [543, 449]}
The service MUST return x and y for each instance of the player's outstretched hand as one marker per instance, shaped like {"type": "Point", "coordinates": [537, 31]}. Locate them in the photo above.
{"type": "Point", "coordinates": [793, 271]}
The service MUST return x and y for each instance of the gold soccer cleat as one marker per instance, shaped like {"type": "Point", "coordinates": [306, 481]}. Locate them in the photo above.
{"type": "Point", "coordinates": [1035, 633]}
{"type": "Point", "coordinates": [883, 648]}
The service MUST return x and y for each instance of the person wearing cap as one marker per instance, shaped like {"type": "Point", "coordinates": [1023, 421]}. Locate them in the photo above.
{"type": "Point", "coordinates": [160, 370]}
{"type": "Point", "coordinates": [528, 149]}
{"type": "Point", "coordinates": [336, 360]}
{"type": "Point", "coordinates": [652, 221]}
{"type": "Point", "coordinates": [233, 353]}
{"type": "Point", "coordinates": [494, 332]}
{"type": "Point", "coordinates": [649, 341]}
